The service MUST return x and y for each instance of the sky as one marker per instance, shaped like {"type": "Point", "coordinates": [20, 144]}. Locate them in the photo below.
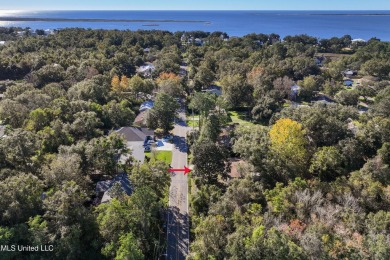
{"type": "Point", "coordinates": [195, 5]}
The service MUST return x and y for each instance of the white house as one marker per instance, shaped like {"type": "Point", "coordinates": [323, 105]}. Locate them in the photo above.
{"type": "Point", "coordinates": [349, 73]}
{"type": "Point", "coordinates": [146, 70]}
{"type": "Point", "coordinates": [358, 41]}
{"type": "Point", "coordinates": [49, 32]}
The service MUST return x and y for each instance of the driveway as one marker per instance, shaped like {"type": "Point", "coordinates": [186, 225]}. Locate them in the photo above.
{"type": "Point", "coordinates": [163, 146]}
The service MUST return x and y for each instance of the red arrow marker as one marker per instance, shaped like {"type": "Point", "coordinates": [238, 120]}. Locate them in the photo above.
{"type": "Point", "coordinates": [185, 170]}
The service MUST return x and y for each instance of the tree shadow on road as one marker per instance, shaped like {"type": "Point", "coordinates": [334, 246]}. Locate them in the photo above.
{"type": "Point", "coordinates": [178, 234]}
{"type": "Point", "coordinates": [180, 143]}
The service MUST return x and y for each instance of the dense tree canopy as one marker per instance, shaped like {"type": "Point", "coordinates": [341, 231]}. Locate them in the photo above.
{"type": "Point", "coordinates": [289, 163]}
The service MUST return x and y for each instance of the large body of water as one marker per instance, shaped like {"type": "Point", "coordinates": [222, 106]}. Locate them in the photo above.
{"type": "Point", "coordinates": [321, 24]}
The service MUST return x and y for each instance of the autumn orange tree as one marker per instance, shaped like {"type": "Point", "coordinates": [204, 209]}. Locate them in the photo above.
{"type": "Point", "coordinates": [169, 83]}
{"type": "Point", "coordinates": [289, 143]}
{"type": "Point", "coordinates": [124, 83]}
{"type": "Point", "coordinates": [115, 83]}
{"type": "Point", "coordinates": [119, 85]}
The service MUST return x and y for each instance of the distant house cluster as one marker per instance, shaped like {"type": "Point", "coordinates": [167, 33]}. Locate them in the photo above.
{"type": "Point", "coordinates": [35, 32]}
{"type": "Point", "coordinates": [188, 40]}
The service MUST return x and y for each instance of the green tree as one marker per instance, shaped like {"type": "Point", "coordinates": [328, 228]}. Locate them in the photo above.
{"type": "Point", "coordinates": [115, 115]}
{"type": "Point", "coordinates": [137, 84]}
{"type": "Point", "coordinates": [348, 97]}
{"type": "Point", "coordinates": [327, 163]}
{"type": "Point", "coordinates": [102, 153]}
{"type": "Point", "coordinates": [19, 149]}
{"type": "Point", "coordinates": [202, 102]}
{"type": "Point", "coordinates": [376, 67]}
{"type": "Point", "coordinates": [20, 198]}
{"type": "Point", "coordinates": [264, 108]}
{"type": "Point", "coordinates": [70, 225]}
{"type": "Point", "coordinates": [209, 161]}
{"type": "Point", "coordinates": [211, 238]}
{"type": "Point", "coordinates": [164, 111]}
{"type": "Point", "coordinates": [236, 91]}
{"type": "Point", "coordinates": [85, 125]}
{"type": "Point", "coordinates": [13, 113]}
{"type": "Point", "coordinates": [113, 222]}
{"type": "Point", "coordinates": [38, 119]}
{"type": "Point", "coordinates": [128, 248]}
{"type": "Point", "coordinates": [152, 174]}
{"type": "Point", "coordinates": [204, 77]}
{"type": "Point", "coordinates": [211, 129]}
{"type": "Point", "coordinates": [95, 89]}
{"type": "Point", "coordinates": [309, 85]}
{"type": "Point", "coordinates": [65, 167]}
{"type": "Point", "coordinates": [48, 74]}
{"type": "Point", "coordinates": [382, 103]}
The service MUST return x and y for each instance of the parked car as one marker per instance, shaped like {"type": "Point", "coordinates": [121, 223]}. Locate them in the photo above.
{"type": "Point", "coordinates": [168, 138]}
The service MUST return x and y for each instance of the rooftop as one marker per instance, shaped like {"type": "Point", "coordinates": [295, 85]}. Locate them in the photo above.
{"type": "Point", "coordinates": [135, 134]}
{"type": "Point", "coordinates": [146, 68]}
{"type": "Point", "coordinates": [146, 105]}
{"type": "Point", "coordinates": [105, 186]}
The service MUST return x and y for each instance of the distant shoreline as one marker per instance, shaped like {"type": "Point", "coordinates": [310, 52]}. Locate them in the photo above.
{"type": "Point", "coordinates": [353, 14]}
{"type": "Point", "coordinates": [92, 20]}
{"type": "Point", "coordinates": [321, 14]}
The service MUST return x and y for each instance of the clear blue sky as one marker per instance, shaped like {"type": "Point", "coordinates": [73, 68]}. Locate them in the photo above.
{"type": "Point", "coordinates": [195, 5]}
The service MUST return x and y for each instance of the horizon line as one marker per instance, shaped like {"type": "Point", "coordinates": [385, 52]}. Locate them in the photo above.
{"type": "Point", "coordinates": [124, 10]}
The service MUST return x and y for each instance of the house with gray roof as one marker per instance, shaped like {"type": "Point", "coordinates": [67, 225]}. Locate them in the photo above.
{"type": "Point", "coordinates": [105, 189]}
{"type": "Point", "coordinates": [136, 138]}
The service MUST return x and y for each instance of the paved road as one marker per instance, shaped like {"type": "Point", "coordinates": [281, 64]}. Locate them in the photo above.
{"type": "Point", "coordinates": [178, 220]}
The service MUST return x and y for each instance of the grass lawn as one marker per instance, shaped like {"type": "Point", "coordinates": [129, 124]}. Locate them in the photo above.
{"type": "Point", "coordinates": [193, 123]}
{"type": "Point", "coordinates": [238, 117]}
{"type": "Point", "coordinates": [165, 156]}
